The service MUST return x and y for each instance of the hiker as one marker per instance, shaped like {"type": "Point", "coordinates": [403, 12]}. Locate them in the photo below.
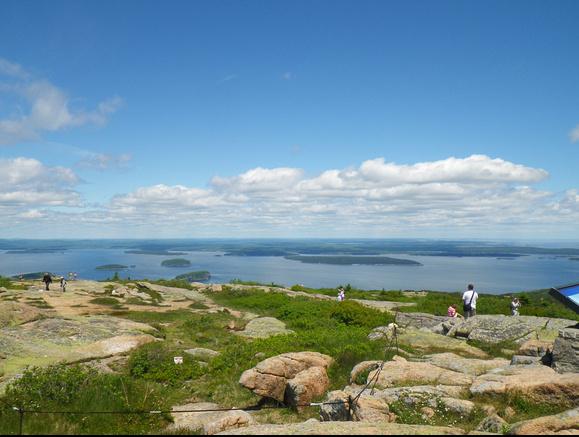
{"type": "Point", "coordinates": [47, 279]}
{"type": "Point", "coordinates": [63, 284]}
{"type": "Point", "coordinates": [341, 294]}
{"type": "Point", "coordinates": [469, 299]}
{"type": "Point", "coordinates": [515, 305]}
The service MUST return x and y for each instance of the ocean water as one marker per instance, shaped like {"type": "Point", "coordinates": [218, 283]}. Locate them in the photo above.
{"type": "Point", "coordinates": [440, 273]}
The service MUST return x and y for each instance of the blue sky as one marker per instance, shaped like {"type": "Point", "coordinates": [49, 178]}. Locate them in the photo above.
{"type": "Point", "coordinates": [118, 117]}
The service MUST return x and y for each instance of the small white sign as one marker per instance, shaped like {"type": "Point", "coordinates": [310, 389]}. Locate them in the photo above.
{"type": "Point", "coordinates": [178, 360]}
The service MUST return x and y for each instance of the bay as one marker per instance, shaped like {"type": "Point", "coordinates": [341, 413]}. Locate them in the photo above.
{"type": "Point", "coordinates": [440, 273]}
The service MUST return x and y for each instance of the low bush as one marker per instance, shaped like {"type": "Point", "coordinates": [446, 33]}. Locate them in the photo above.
{"type": "Point", "coordinates": [77, 390]}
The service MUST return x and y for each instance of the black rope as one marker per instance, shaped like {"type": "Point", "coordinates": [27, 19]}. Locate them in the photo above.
{"type": "Point", "coordinates": [374, 379]}
{"type": "Point", "coordinates": [213, 410]}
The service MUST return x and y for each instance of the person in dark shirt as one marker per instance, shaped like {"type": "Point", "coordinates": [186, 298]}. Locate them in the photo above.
{"type": "Point", "coordinates": [47, 279]}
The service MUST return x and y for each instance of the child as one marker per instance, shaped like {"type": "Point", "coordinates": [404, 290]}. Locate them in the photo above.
{"type": "Point", "coordinates": [452, 311]}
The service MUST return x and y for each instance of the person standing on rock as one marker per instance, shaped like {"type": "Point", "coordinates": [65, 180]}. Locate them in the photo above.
{"type": "Point", "coordinates": [469, 299]}
{"type": "Point", "coordinates": [47, 279]}
{"type": "Point", "coordinates": [63, 284]}
{"type": "Point", "coordinates": [515, 305]}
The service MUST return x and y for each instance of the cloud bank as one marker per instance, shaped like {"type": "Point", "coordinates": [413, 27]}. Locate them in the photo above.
{"type": "Point", "coordinates": [454, 196]}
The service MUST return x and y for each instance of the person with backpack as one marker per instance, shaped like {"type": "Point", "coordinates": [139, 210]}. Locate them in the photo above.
{"type": "Point", "coordinates": [469, 299]}
{"type": "Point", "coordinates": [47, 279]}
{"type": "Point", "coordinates": [63, 284]}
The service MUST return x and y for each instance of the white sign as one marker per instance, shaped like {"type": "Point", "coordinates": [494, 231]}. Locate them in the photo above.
{"type": "Point", "coordinates": [178, 360]}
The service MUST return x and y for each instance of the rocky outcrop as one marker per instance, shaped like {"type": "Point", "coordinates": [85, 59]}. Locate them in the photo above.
{"type": "Point", "coordinates": [535, 348]}
{"type": "Point", "coordinates": [458, 406]}
{"type": "Point", "coordinates": [208, 423]}
{"type": "Point", "coordinates": [499, 328]}
{"type": "Point", "coordinates": [402, 372]}
{"type": "Point", "coordinates": [493, 424]}
{"type": "Point", "coordinates": [295, 378]}
{"type": "Point", "coordinates": [341, 406]}
{"type": "Point", "coordinates": [306, 386]}
{"type": "Point", "coordinates": [468, 366]}
{"type": "Point", "coordinates": [419, 320]}
{"type": "Point", "coordinates": [566, 423]}
{"type": "Point", "coordinates": [312, 427]}
{"type": "Point", "coordinates": [538, 382]}
{"type": "Point", "coordinates": [410, 395]}
{"type": "Point", "coordinates": [264, 327]}
{"type": "Point", "coordinates": [566, 351]}
{"type": "Point", "coordinates": [428, 342]}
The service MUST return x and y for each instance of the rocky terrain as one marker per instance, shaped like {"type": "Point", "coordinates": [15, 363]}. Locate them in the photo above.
{"type": "Point", "coordinates": [490, 374]}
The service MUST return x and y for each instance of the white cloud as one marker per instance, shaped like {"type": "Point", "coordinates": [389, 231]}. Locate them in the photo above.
{"type": "Point", "coordinates": [260, 180]}
{"type": "Point", "coordinates": [27, 182]}
{"type": "Point", "coordinates": [472, 195]}
{"type": "Point", "coordinates": [574, 135]}
{"type": "Point", "coordinates": [48, 107]}
{"type": "Point", "coordinates": [473, 192]}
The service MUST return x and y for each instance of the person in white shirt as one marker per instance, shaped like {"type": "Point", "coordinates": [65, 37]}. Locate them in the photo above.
{"type": "Point", "coordinates": [469, 299]}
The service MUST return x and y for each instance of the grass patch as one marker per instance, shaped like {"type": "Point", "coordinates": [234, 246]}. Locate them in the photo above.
{"type": "Point", "coordinates": [409, 411]}
{"type": "Point", "coordinates": [198, 306]}
{"type": "Point", "coordinates": [525, 407]}
{"type": "Point", "coordinates": [111, 302]}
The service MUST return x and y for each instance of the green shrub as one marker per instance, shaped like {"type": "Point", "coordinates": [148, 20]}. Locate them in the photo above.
{"type": "Point", "coordinates": [155, 362]}
{"type": "Point", "coordinates": [78, 389]}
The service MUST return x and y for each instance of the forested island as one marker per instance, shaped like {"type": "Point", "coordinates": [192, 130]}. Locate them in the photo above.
{"type": "Point", "coordinates": [352, 260]}
{"type": "Point", "coordinates": [202, 275]}
{"type": "Point", "coordinates": [112, 267]}
{"type": "Point", "coordinates": [176, 262]}
{"type": "Point", "coordinates": [160, 252]}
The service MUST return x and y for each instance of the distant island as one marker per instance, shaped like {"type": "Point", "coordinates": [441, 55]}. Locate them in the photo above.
{"type": "Point", "coordinates": [199, 276]}
{"type": "Point", "coordinates": [160, 252]}
{"type": "Point", "coordinates": [32, 276]}
{"type": "Point", "coordinates": [352, 260]}
{"type": "Point", "coordinates": [176, 262]}
{"type": "Point", "coordinates": [112, 267]}
{"type": "Point", "coordinates": [575, 258]}
{"type": "Point", "coordinates": [33, 251]}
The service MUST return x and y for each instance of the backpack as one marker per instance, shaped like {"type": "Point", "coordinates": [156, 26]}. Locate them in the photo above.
{"type": "Point", "coordinates": [468, 306]}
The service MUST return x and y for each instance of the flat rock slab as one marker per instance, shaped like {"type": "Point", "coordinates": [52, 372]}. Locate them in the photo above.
{"type": "Point", "coordinates": [500, 328]}
{"type": "Point", "coordinates": [208, 423]}
{"type": "Point", "coordinates": [429, 342]}
{"type": "Point", "coordinates": [382, 305]}
{"type": "Point", "coordinates": [419, 320]}
{"type": "Point", "coordinates": [16, 313]}
{"type": "Point", "coordinates": [264, 327]}
{"type": "Point", "coordinates": [402, 372]}
{"type": "Point", "coordinates": [566, 423]}
{"type": "Point", "coordinates": [50, 341]}
{"type": "Point", "coordinates": [537, 381]}
{"type": "Point", "coordinates": [345, 428]}
{"type": "Point", "coordinates": [468, 366]}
